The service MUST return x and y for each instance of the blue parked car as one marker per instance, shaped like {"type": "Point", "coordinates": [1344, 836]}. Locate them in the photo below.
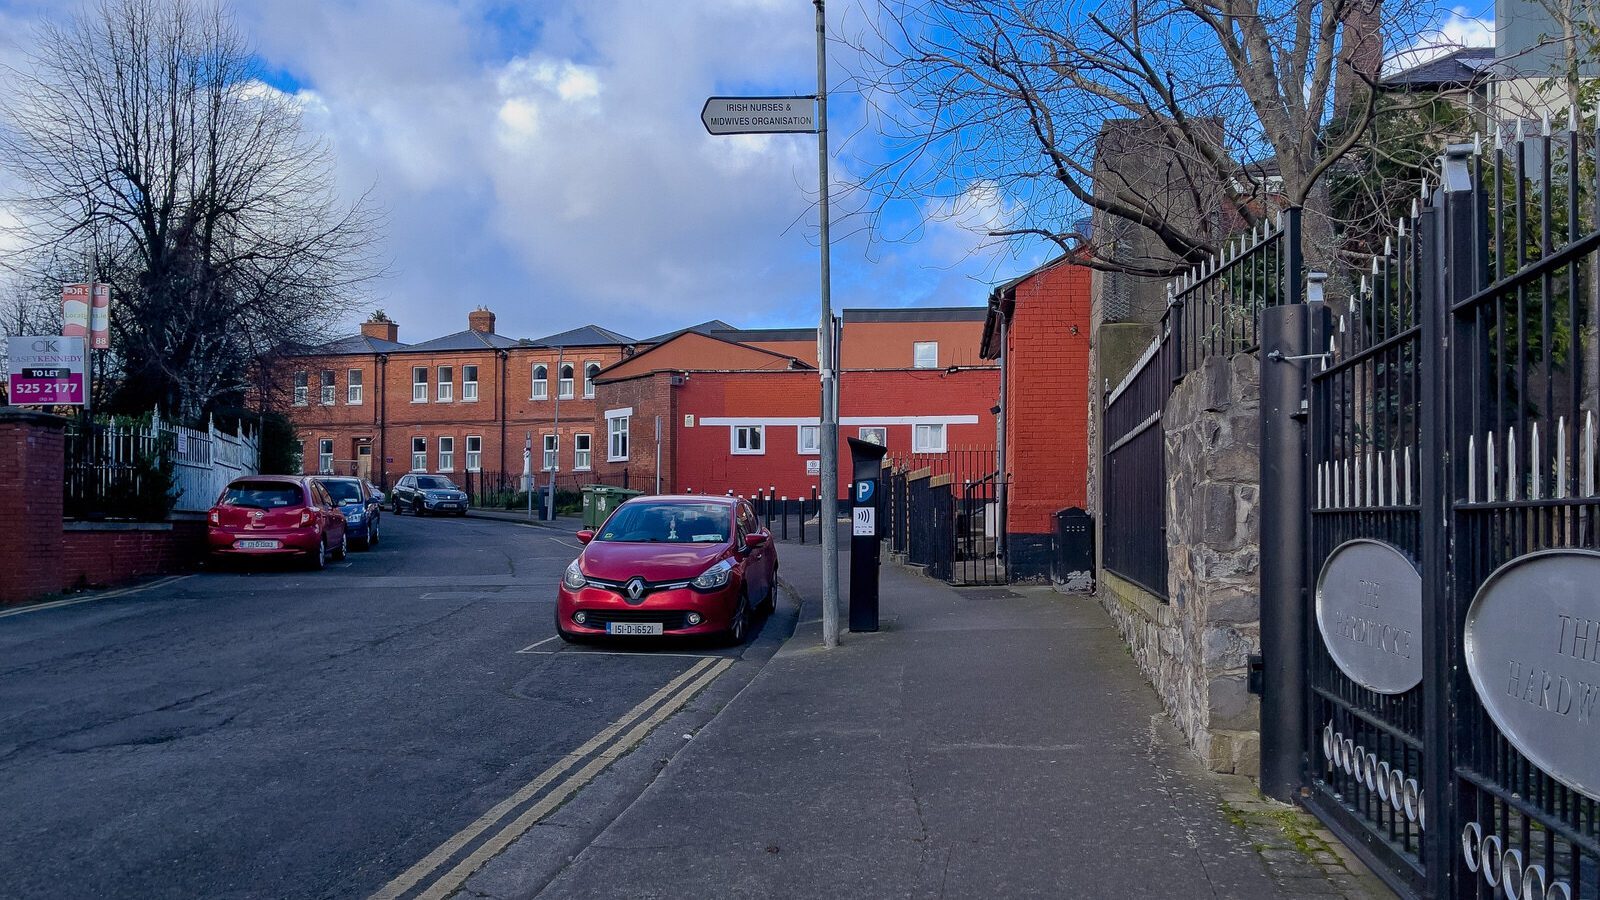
{"type": "Point", "coordinates": [361, 508]}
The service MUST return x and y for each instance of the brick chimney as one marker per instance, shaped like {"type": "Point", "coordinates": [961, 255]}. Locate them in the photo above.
{"type": "Point", "coordinates": [481, 320]}
{"type": "Point", "coordinates": [381, 327]}
{"type": "Point", "coordinates": [1360, 54]}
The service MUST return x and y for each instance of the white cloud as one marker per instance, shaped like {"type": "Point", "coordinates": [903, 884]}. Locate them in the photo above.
{"type": "Point", "coordinates": [547, 160]}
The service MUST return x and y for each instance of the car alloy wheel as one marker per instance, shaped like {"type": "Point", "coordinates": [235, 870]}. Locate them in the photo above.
{"type": "Point", "coordinates": [344, 546]}
{"type": "Point", "coordinates": [320, 561]}
{"type": "Point", "coordinates": [372, 534]}
{"type": "Point", "coordinates": [741, 621]}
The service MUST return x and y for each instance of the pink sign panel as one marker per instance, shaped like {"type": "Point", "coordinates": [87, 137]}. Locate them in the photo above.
{"type": "Point", "coordinates": [100, 318]}
{"type": "Point", "coordinates": [46, 370]}
{"type": "Point", "coordinates": [75, 310]}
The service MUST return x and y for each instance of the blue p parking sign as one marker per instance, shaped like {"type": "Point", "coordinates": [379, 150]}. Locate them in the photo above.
{"type": "Point", "coordinates": [864, 491]}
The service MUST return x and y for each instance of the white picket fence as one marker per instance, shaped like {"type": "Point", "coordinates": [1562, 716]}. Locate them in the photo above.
{"type": "Point", "coordinates": [205, 460]}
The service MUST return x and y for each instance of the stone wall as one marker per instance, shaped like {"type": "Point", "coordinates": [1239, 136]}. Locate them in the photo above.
{"type": "Point", "coordinates": [1196, 648]}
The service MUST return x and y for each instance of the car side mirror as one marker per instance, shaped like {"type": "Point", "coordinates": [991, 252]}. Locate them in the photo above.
{"type": "Point", "coordinates": [585, 536]}
{"type": "Point", "coordinates": [753, 541]}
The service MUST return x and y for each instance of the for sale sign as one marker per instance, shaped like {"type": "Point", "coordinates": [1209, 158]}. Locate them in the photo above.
{"type": "Point", "coordinates": [46, 371]}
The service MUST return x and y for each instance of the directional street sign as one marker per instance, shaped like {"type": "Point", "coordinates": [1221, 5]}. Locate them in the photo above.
{"type": "Point", "coordinates": [760, 115]}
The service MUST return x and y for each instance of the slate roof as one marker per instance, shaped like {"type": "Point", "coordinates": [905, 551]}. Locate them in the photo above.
{"type": "Point", "coordinates": [709, 329]}
{"type": "Point", "coordinates": [462, 340]}
{"type": "Point", "coordinates": [582, 336]}
{"type": "Point", "coordinates": [354, 343]}
{"type": "Point", "coordinates": [1458, 67]}
{"type": "Point", "coordinates": [918, 314]}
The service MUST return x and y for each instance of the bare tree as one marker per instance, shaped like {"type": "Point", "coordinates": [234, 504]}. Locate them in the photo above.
{"type": "Point", "coordinates": [148, 147]}
{"type": "Point", "coordinates": [1235, 100]}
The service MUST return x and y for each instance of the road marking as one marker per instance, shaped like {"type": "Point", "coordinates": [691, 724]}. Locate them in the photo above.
{"type": "Point", "coordinates": [452, 881]}
{"type": "Point", "coordinates": [413, 876]}
{"type": "Point", "coordinates": [533, 645]}
{"type": "Point", "coordinates": [74, 601]}
{"type": "Point", "coordinates": [565, 544]}
{"type": "Point", "coordinates": [640, 654]}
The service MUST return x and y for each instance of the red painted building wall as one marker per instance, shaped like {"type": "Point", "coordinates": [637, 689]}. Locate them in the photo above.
{"type": "Point", "coordinates": [781, 403]}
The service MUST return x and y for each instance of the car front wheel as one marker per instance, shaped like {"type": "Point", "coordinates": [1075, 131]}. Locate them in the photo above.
{"type": "Point", "coordinates": [739, 627]}
{"type": "Point", "coordinates": [344, 547]}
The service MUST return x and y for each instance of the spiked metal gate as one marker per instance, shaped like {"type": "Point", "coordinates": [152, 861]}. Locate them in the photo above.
{"type": "Point", "coordinates": [1451, 427]}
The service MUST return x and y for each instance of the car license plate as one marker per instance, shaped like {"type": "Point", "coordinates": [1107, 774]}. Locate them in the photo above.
{"type": "Point", "coordinates": [257, 545]}
{"type": "Point", "coordinates": [633, 628]}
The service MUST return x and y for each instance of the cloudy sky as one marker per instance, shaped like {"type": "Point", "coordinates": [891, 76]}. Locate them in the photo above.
{"type": "Point", "coordinates": [546, 159]}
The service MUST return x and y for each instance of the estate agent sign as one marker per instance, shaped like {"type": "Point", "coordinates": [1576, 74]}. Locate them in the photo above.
{"type": "Point", "coordinates": [45, 371]}
{"type": "Point", "coordinates": [1533, 651]}
{"type": "Point", "coordinates": [1369, 610]}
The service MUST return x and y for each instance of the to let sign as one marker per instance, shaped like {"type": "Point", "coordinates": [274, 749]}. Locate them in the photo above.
{"type": "Point", "coordinates": [46, 370]}
{"type": "Point", "coordinates": [760, 115]}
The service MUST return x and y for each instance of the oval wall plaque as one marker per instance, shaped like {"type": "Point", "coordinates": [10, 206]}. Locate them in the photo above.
{"type": "Point", "coordinates": [1369, 610]}
{"type": "Point", "coordinates": [1533, 651]}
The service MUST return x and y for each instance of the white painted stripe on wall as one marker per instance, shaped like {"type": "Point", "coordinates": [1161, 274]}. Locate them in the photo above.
{"type": "Point", "coordinates": [847, 420]}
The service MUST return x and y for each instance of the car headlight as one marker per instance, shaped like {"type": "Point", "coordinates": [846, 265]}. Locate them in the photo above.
{"type": "Point", "coordinates": [714, 577]}
{"type": "Point", "coordinates": [573, 578]}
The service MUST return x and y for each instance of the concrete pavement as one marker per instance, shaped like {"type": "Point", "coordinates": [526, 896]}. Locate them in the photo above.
{"type": "Point", "coordinates": [987, 742]}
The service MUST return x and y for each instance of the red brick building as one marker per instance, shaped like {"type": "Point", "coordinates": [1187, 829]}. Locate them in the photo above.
{"type": "Point", "coordinates": [721, 408]}
{"type": "Point", "coordinates": [1037, 328]}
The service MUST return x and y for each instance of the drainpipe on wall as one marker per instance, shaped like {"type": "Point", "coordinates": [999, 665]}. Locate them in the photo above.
{"type": "Point", "coordinates": [383, 420]}
{"type": "Point", "coordinates": [504, 357]}
{"type": "Point", "coordinates": [1000, 430]}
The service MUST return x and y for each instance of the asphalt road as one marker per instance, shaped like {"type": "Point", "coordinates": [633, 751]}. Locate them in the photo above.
{"type": "Point", "coordinates": [322, 734]}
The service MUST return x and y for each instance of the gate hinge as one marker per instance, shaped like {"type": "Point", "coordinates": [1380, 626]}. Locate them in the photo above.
{"type": "Point", "coordinates": [1257, 671]}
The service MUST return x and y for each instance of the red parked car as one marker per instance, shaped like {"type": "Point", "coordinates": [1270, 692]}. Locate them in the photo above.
{"type": "Point", "coordinates": [690, 565]}
{"type": "Point", "coordinates": [277, 516]}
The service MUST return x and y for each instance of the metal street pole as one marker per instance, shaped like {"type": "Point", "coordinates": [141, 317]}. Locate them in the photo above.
{"type": "Point", "coordinates": [830, 412]}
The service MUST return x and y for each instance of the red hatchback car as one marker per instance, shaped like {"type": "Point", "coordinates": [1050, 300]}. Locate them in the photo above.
{"type": "Point", "coordinates": [689, 565]}
{"type": "Point", "coordinates": [276, 516]}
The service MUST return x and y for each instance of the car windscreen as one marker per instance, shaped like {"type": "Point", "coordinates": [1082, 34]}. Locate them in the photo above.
{"type": "Point", "coordinates": [431, 483]}
{"type": "Point", "coordinates": [262, 494]}
{"type": "Point", "coordinates": [343, 492]}
{"type": "Point", "coordinates": [668, 523]}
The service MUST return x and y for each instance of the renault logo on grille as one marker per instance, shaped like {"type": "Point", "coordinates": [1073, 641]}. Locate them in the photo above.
{"type": "Point", "coordinates": [635, 588]}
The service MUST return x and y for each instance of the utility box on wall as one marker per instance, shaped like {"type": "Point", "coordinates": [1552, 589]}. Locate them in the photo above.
{"type": "Point", "coordinates": [1073, 563]}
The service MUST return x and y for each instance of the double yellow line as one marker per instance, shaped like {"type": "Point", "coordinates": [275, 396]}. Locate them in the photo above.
{"type": "Point", "coordinates": [632, 727]}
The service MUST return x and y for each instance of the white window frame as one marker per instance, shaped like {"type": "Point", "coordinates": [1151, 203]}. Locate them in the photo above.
{"type": "Point", "coordinates": [325, 456]}
{"type": "Point", "coordinates": [883, 434]}
{"type": "Point", "coordinates": [469, 387]}
{"type": "Point", "coordinates": [447, 384]}
{"type": "Point", "coordinates": [921, 432]}
{"type": "Point", "coordinates": [588, 378]}
{"type": "Point", "coordinates": [617, 425]}
{"type": "Point", "coordinates": [419, 459]}
{"type": "Point", "coordinates": [353, 387]}
{"type": "Point", "coordinates": [582, 452]}
{"type": "Point", "coordinates": [328, 387]}
{"type": "Point", "coordinates": [419, 389]}
{"type": "Point", "coordinates": [541, 386]}
{"type": "Point", "coordinates": [302, 388]}
{"type": "Point", "coordinates": [474, 453]}
{"type": "Point", "coordinates": [551, 457]}
{"type": "Point", "coordinates": [815, 447]}
{"type": "Point", "coordinates": [564, 382]}
{"type": "Point", "coordinates": [917, 362]}
{"type": "Point", "coordinates": [447, 454]}
{"type": "Point", "coordinates": [740, 445]}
